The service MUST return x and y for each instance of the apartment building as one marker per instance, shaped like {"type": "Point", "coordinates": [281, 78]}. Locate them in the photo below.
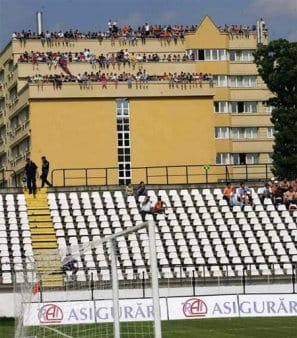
{"type": "Point", "coordinates": [199, 102]}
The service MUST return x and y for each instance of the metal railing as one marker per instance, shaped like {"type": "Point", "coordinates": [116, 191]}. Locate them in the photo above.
{"type": "Point", "coordinates": [244, 281]}
{"type": "Point", "coordinates": [8, 178]}
{"type": "Point", "coordinates": [165, 175]}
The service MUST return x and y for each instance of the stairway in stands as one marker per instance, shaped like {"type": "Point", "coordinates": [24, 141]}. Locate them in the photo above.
{"type": "Point", "coordinates": [44, 242]}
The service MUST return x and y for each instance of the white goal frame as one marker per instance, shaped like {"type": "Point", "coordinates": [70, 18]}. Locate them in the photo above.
{"type": "Point", "coordinates": [82, 248]}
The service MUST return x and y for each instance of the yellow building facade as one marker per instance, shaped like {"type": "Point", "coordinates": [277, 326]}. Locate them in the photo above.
{"type": "Point", "coordinates": [166, 127]}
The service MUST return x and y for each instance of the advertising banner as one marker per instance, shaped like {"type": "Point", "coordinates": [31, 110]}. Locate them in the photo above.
{"type": "Point", "coordinates": [267, 305]}
{"type": "Point", "coordinates": [197, 307]}
{"type": "Point", "coordinates": [131, 310]}
{"type": "Point", "coordinates": [87, 312]}
{"type": "Point", "coordinates": [202, 307]}
{"type": "Point", "coordinates": [59, 313]}
{"type": "Point", "coordinates": [232, 306]}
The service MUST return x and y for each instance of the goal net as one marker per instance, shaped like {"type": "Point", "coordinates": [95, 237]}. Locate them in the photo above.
{"type": "Point", "coordinates": [117, 297]}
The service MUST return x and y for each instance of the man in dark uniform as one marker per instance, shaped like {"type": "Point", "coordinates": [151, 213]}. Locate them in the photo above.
{"type": "Point", "coordinates": [31, 172]}
{"type": "Point", "coordinates": [44, 172]}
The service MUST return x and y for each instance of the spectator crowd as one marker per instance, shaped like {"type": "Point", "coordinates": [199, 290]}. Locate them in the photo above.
{"type": "Point", "coordinates": [279, 192]}
{"type": "Point", "coordinates": [140, 77]}
{"type": "Point", "coordinates": [129, 35]}
{"type": "Point", "coordinates": [126, 34]}
{"type": "Point", "coordinates": [103, 61]}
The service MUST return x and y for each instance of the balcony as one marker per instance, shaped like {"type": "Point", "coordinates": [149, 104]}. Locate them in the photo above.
{"type": "Point", "coordinates": [17, 103]}
{"type": "Point", "coordinates": [243, 68]}
{"type": "Point", "coordinates": [18, 162]}
{"type": "Point", "coordinates": [257, 145]}
{"type": "Point", "coordinates": [258, 93]}
{"type": "Point", "coordinates": [245, 42]}
{"type": "Point", "coordinates": [19, 133]}
{"type": "Point", "coordinates": [95, 90]}
{"type": "Point", "coordinates": [26, 69]}
{"type": "Point", "coordinates": [251, 119]}
{"type": "Point", "coordinates": [152, 45]}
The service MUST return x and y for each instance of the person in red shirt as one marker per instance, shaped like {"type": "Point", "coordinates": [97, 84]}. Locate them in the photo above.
{"type": "Point", "coordinates": [159, 206]}
{"type": "Point", "coordinates": [227, 192]}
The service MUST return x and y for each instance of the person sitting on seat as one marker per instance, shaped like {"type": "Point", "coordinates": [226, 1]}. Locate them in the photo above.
{"type": "Point", "coordinates": [228, 190]}
{"type": "Point", "coordinates": [146, 207]}
{"type": "Point", "coordinates": [159, 206]}
{"type": "Point", "coordinates": [235, 198]}
{"type": "Point", "coordinates": [69, 263]}
{"type": "Point", "coordinates": [140, 190]}
{"type": "Point", "coordinates": [266, 191]}
{"type": "Point", "coordinates": [129, 191]}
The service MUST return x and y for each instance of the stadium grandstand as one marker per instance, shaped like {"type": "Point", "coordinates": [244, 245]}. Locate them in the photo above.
{"type": "Point", "coordinates": [180, 109]}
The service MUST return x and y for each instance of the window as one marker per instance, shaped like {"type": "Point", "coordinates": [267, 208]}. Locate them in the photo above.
{"type": "Point", "coordinates": [215, 54]}
{"type": "Point", "coordinates": [10, 66]}
{"type": "Point", "coordinates": [240, 107]}
{"type": "Point", "coordinates": [249, 81]}
{"type": "Point", "coordinates": [250, 107]}
{"type": "Point", "coordinates": [2, 76]}
{"type": "Point", "coordinates": [222, 132]}
{"type": "Point", "coordinates": [244, 133]}
{"type": "Point", "coordinates": [208, 54]}
{"type": "Point", "coordinates": [242, 81]}
{"type": "Point", "coordinates": [241, 55]}
{"type": "Point", "coordinates": [200, 54]}
{"type": "Point", "coordinates": [270, 132]}
{"type": "Point", "coordinates": [13, 93]}
{"type": "Point", "coordinates": [2, 104]}
{"type": "Point", "coordinates": [245, 158]}
{"type": "Point", "coordinates": [123, 141]}
{"type": "Point", "coordinates": [223, 158]}
{"type": "Point", "coordinates": [3, 161]}
{"type": "Point", "coordinates": [247, 55]}
{"type": "Point", "coordinates": [220, 80]}
{"type": "Point", "coordinates": [20, 150]}
{"type": "Point", "coordinates": [221, 107]}
{"type": "Point", "coordinates": [268, 108]}
{"type": "Point", "coordinates": [2, 133]}
{"type": "Point", "coordinates": [252, 158]}
{"type": "Point", "coordinates": [244, 107]}
{"type": "Point", "coordinates": [238, 133]}
{"type": "Point", "coordinates": [234, 55]}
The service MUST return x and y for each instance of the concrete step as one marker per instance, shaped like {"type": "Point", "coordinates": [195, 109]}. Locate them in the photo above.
{"type": "Point", "coordinates": [52, 280]}
{"type": "Point", "coordinates": [38, 225]}
{"type": "Point", "coordinates": [38, 212]}
{"type": "Point", "coordinates": [42, 231]}
{"type": "Point", "coordinates": [44, 238]}
{"type": "Point", "coordinates": [40, 218]}
{"type": "Point", "coordinates": [44, 245]}
{"type": "Point", "coordinates": [46, 267]}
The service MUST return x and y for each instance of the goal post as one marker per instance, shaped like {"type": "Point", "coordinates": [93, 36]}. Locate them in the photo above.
{"type": "Point", "coordinates": [44, 314]}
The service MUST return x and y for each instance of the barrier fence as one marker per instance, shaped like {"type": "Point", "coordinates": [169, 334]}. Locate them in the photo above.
{"type": "Point", "coordinates": [164, 175]}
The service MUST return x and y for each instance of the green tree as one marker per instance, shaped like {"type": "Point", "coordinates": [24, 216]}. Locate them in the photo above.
{"type": "Point", "coordinates": [277, 65]}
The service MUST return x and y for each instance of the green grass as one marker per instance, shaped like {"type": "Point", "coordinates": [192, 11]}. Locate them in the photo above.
{"type": "Point", "coordinates": [279, 327]}
{"type": "Point", "coordinates": [6, 328]}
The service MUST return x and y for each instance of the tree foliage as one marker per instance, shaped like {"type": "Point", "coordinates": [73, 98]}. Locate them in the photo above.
{"type": "Point", "coordinates": [277, 65]}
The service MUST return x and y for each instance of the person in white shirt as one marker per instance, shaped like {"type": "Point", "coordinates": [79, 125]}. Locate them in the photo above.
{"type": "Point", "coordinates": [146, 207]}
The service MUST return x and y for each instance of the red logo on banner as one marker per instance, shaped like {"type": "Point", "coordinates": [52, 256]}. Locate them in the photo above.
{"type": "Point", "coordinates": [50, 314]}
{"type": "Point", "coordinates": [195, 307]}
